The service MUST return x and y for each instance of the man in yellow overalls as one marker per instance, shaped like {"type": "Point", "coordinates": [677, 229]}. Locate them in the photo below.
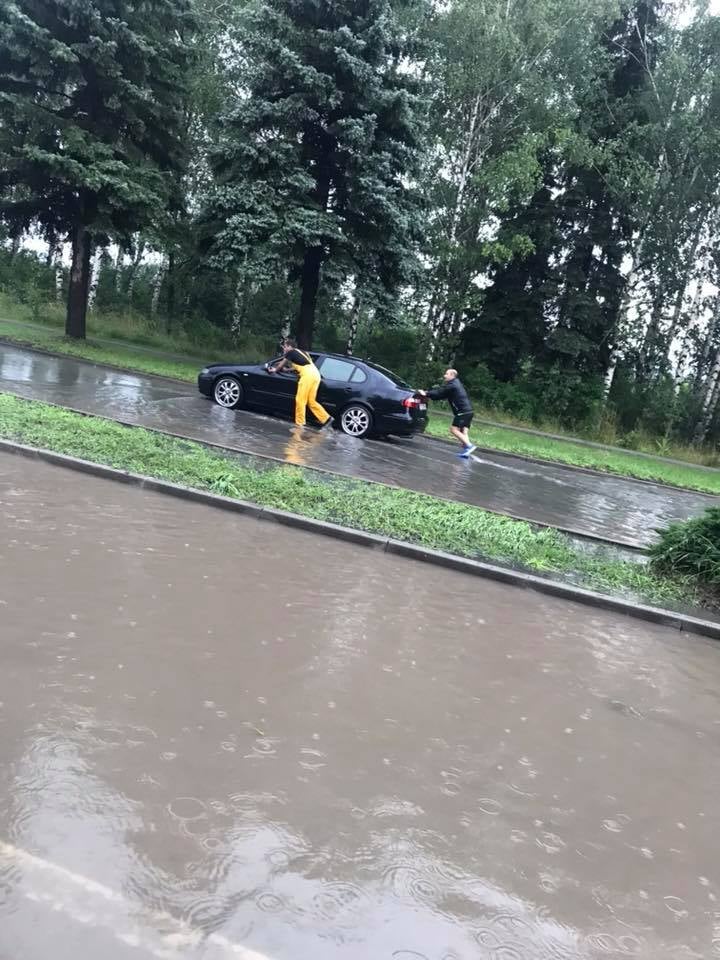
{"type": "Point", "coordinates": [308, 383]}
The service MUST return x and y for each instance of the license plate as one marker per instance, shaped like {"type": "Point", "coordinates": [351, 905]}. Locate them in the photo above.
{"type": "Point", "coordinates": [422, 406]}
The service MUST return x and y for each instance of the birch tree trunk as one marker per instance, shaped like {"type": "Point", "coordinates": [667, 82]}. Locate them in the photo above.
{"type": "Point", "coordinates": [119, 264]}
{"type": "Point", "coordinates": [354, 322]}
{"type": "Point", "coordinates": [711, 384]}
{"type": "Point", "coordinates": [158, 280]}
{"type": "Point", "coordinates": [94, 277]}
{"type": "Point", "coordinates": [136, 261]}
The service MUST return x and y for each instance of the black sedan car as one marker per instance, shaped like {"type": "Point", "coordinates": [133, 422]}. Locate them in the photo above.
{"type": "Point", "coordinates": [363, 398]}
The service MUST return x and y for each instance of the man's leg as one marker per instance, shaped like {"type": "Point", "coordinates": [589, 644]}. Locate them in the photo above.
{"type": "Point", "coordinates": [301, 398]}
{"type": "Point", "coordinates": [468, 445]}
{"type": "Point", "coordinates": [458, 434]}
{"type": "Point", "coordinates": [317, 409]}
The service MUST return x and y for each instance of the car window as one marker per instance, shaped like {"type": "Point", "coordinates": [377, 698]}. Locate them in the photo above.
{"type": "Point", "coordinates": [285, 372]}
{"type": "Point", "coordinates": [389, 375]}
{"type": "Point", "coordinates": [334, 369]}
{"type": "Point", "coordinates": [359, 376]}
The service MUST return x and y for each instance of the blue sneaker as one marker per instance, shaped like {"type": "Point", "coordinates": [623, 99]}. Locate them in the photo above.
{"type": "Point", "coordinates": [465, 454]}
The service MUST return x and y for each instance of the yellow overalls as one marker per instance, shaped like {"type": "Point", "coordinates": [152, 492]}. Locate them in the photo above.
{"type": "Point", "coordinates": [307, 388]}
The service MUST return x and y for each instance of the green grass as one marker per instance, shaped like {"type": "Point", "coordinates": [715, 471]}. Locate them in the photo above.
{"type": "Point", "coordinates": [401, 514]}
{"type": "Point", "coordinates": [135, 329]}
{"type": "Point", "coordinates": [692, 547]}
{"type": "Point", "coordinates": [617, 462]}
{"type": "Point", "coordinates": [140, 344]}
{"type": "Point", "coordinates": [604, 433]}
{"type": "Point", "coordinates": [129, 357]}
{"type": "Point", "coordinates": [125, 358]}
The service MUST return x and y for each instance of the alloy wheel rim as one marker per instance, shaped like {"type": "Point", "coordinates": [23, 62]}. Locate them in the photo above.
{"type": "Point", "coordinates": [355, 421]}
{"type": "Point", "coordinates": [227, 393]}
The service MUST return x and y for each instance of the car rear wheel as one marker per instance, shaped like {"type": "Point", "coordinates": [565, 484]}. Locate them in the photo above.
{"type": "Point", "coordinates": [356, 421]}
{"type": "Point", "coordinates": [228, 393]}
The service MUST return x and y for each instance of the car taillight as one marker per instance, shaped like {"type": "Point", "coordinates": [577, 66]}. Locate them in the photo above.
{"type": "Point", "coordinates": [410, 402]}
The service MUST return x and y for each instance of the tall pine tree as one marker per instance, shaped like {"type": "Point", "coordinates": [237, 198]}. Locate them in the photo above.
{"type": "Point", "coordinates": [316, 156]}
{"type": "Point", "coordinates": [91, 97]}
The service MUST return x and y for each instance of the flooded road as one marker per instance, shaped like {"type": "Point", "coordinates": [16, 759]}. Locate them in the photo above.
{"type": "Point", "coordinates": [611, 507]}
{"type": "Point", "coordinates": [221, 740]}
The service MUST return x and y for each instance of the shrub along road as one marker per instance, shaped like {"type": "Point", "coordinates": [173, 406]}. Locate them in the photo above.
{"type": "Point", "coordinates": [606, 506]}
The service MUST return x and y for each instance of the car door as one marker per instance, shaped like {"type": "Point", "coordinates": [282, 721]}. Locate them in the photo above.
{"type": "Point", "coordinates": [254, 383]}
{"type": "Point", "coordinates": [339, 384]}
{"type": "Point", "coordinates": [274, 391]}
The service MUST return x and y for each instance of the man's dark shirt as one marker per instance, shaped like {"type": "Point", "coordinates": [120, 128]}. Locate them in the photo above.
{"type": "Point", "coordinates": [295, 356]}
{"type": "Point", "coordinates": [455, 394]}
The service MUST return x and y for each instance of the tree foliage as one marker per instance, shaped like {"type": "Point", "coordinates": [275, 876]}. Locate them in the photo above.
{"type": "Point", "coordinates": [91, 100]}
{"type": "Point", "coordinates": [316, 152]}
{"type": "Point", "coordinates": [530, 188]}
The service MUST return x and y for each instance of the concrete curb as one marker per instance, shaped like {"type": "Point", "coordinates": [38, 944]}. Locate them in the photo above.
{"type": "Point", "coordinates": [493, 451]}
{"type": "Point", "coordinates": [221, 448]}
{"type": "Point", "coordinates": [679, 621]}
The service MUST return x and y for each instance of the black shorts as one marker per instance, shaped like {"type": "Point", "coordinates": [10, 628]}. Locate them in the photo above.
{"type": "Point", "coordinates": [462, 420]}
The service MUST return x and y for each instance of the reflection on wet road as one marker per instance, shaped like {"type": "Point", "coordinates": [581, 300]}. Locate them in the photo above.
{"type": "Point", "coordinates": [611, 507]}
{"type": "Point", "coordinates": [203, 758]}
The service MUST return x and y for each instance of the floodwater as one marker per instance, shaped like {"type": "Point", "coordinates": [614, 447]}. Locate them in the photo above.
{"type": "Point", "coordinates": [621, 510]}
{"type": "Point", "coordinates": [225, 739]}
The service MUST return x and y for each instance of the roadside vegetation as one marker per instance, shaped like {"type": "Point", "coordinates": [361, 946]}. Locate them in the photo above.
{"type": "Point", "coordinates": [692, 549]}
{"type": "Point", "coordinates": [542, 216]}
{"type": "Point", "coordinates": [620, 462]}
{"type": "Point", "coordinates": [404, 515]}
{"type": "Point", "coordinates": [138, 354]}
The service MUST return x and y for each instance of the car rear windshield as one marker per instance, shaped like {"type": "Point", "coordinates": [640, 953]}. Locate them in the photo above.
{"type": "Point", "coordinates": [392, 377]}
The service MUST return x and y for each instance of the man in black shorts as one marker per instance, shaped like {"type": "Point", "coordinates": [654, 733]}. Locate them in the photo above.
{"type": "Point", "coordinates": [456, 395]}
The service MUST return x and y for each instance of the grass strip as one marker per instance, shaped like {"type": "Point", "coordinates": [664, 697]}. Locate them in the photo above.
{"type": "Point", "coordinates": [618, 463]}
{"type": "Point", "coordinates": [117, 356]}
{"type": "Point", "coordinates": [565, 451]}
{"type": "Point", "coordinates": [400, 514]}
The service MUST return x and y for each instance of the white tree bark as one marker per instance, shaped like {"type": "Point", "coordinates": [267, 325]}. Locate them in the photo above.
{"type": "Point", "coordinates": [54, 262]}
{"type": "Point", "coordinates": [157, 284]}
{"type": "Point", "coordinates": [610, 375]}
{"type": "Point", "coordinates": [469, 158]}
{"type": "Point", "coordinates": [136, 261]}
{"type": "Point", "coordinates": [712, 383]}
{"type": "Point", "coordinates": [58, 266]}
{"type": "Point", "coordinates": [354, 323]}
{"type": "Point", "coordinates": [119, 264]}
{"type": "Point", "coordinates": [94, 277]}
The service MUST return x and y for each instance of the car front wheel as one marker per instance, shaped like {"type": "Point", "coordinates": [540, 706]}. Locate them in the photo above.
{"type": "Point", "coordinates": [356, 421]}
{"type": "Point", "coordinates": [228, 393]}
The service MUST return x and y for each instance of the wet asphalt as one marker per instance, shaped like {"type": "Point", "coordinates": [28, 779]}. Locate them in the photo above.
{"type": "Point", "coordinates": [218, 745]}
{"type": "Point", "coordinates": [625, 511]}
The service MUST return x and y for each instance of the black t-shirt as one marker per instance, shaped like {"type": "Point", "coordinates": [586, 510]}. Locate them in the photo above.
{"type": "Point", "coordinates": [455, 394]}
{"type": "Point", "coordinates": [295, 356]}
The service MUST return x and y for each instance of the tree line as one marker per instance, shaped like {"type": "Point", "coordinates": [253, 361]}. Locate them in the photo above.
{"type": "Point", "coordinates": [529, 188]}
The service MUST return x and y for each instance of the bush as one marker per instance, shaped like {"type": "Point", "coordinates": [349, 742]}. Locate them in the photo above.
{"type": "Point", "coordinates": [538, 394]}
{"type": "Point", "coordinates": [25, 278]}
{"type": "Point", "coordinates": [691, 548]}
{"type": "Point", "coordinates": [401, 348]}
